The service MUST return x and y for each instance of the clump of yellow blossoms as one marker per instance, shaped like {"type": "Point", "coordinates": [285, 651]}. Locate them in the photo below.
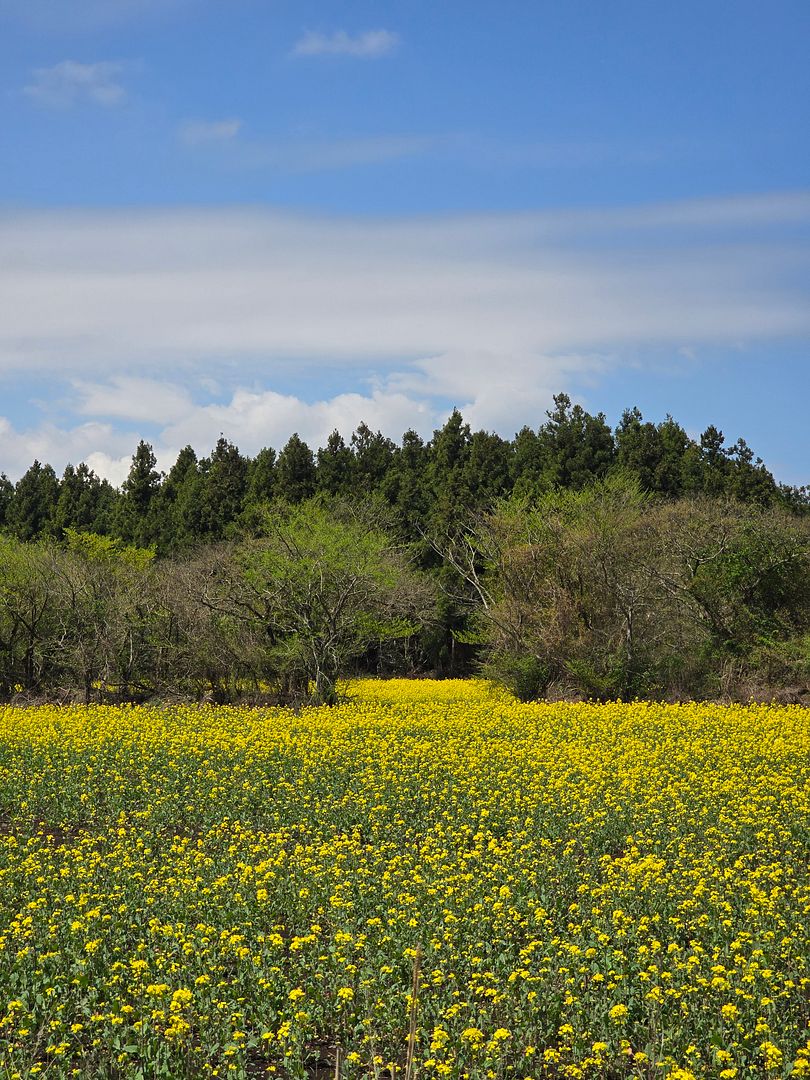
{"type": "Point", "coordinates": [572, 891]}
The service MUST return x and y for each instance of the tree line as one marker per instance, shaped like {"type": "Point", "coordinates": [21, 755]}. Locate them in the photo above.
{"type": "Point", "coordinates": [571, 560]}
{"type": "Point", "coordinates": [423, 483]}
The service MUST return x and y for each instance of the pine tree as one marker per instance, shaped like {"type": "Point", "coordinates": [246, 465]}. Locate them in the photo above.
{"type": "Point", "coordinates": [486, 473]}
{"type": "Point", "coordinates": [139, 490]}
{"type": "Point", "coordinates": [405, 486]}
{"type": "Point", "coordinates": [448, 454]}
{"type": "Point", "coordinates": [176, 504]}
{"type": "Point", "coordinates": [261, 477]}
{"type": "Point", "coordinates": [31, 513]}
{"type": "Point", "coordinates": [222, 492]}
{"type": "Point", "coordinates": [528, 465]}
{"type": "Point", "coordinates": [85, 501]}
{"type": "Point", "coordinates": [295, 471]}
{"type": "Point", "coordinates": [6, 496]}
{"type": "Point", "coordinates": [335, 466]}
{"type": "Point", "coordinates": [578, 447]}
{"type": "Point", "coordinates": [715, 467]}
{"type": "Point", "coordinates": [373, 455]}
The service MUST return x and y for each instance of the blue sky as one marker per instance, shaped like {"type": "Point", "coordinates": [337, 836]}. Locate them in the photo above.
{"type": "Point", "coordinates": [255, 217]}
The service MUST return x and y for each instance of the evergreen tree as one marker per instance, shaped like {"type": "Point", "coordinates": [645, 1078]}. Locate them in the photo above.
{"type": "Point", "coordinates": [715, 468]}
{"type": "Point", "coordinates": [578, 448]}
{"type": "Point", "coordinates": [486, 472]}
{"type": "Point", "coordinates": [405, 486]}
{"type": "Point", "coordinates": [6, 496]}
{"type": "Point", "coordinates": [335, 466]}
{"type": "Point", "coordinates": [260, 490]}
{"type": "Point", "coordinates": [671, 470]}
{"type": "Point", "coordinates": [295, 471]}
{"type": "Point", "coordinates": [135, 520]}
{"type": "Point", "coordinates": [749, 481]}
{"type": "Point", "coordinates": [222, 491]}
{"type": "Point", "coordinates": [373, 455]}
{"type": "Point", "coordinates": [528, 466]}
{"type": "Point", "coordinates": [448, 454]}
{"type": "Point", "coordinates": [31, 513]}
{"type": "Point", "coordinates": [86, 503]}
{"type": "Point", "coordinates": [176, 504]}
{"type": "Point", "coordinates": [261, 477]}
{"type": "Point", "coordinates": [638, 448]}
{"type": "Point", "coordinates": [654, 454]}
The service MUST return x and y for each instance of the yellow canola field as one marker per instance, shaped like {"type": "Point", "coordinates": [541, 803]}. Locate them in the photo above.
{"type": "Point", "coordinates": [592, 890]}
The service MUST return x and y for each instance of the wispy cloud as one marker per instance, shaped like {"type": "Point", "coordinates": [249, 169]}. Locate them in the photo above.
{"type": "Point", "coordinates": [301, 155]}
{"type": "Point", "coordinates": [132, 398]}
{"type": "Point", "coordinates": [412, 314]}
{"type": "Point", "coordinates": [322, 155]}
{"type": "Point", "coordinates": [103, 288]}
{"type": "Point", "coordinates": [200, 132]}
{"type": "Point", "coordinates": [70, 83]}
{"type": "Point", "coordinates": [368, 44]}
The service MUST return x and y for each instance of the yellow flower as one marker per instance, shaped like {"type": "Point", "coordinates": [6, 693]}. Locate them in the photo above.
{"type": "Point", "coordinates": [474, 1036]}
{"type": "Point", "coordinates": [772, 1055]}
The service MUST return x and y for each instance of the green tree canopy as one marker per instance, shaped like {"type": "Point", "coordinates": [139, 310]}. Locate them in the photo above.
{"type": "Point", "coordinates": [328, 587]}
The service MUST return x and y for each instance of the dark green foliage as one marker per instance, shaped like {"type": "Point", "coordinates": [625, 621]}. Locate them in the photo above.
{"type": "Point", "coordinates": [261, 477]}
{"type": "Point", "coordinates": [31, 512]}
{"type": "Point", "coordinates": [260, 490]}
{"type": "Point", "coordinates": [428, 486]}
{"type": "Point", "coordinates": [335, 472]}
{"type": "Point", "coordinates": [85, 502]}
{"type": "Point", "coordinates": [175, 509]}
{"type": "Point", "coordinates": [135, 520]}
{"type": "Point", "coordinates": [527, 464]}
{"type": "Point", "coordinates": [576, 448]}
{"type": "Point", "coordinates": [715, 464]}
{"type": "Point", "coordinates": [485, 475]}
{"type": "Point", "coordinates": [652, 453]}
{"type": "Point", "coordinates": [6, 497]}
{"type": "Point", "coordinates": [405, 486]}
{"type": "Point", "coordinates": [373, 456]}
{"type": "Point", "coordinates": [446, 472]}
{"type": "Point", "coordinates": [220, 491]}
{"type": "Point", "coordinates": [296, 476]}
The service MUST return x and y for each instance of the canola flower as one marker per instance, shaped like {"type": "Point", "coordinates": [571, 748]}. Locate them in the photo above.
{"type": "Point", "coordinates": [592, 890]}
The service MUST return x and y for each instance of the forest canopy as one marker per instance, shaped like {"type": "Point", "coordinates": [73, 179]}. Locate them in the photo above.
{"type": "Point", "coordinates": [422, 482]}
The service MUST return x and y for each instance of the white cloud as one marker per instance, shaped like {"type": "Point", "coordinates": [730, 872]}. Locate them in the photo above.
{"type": "Point", "coordinates": [255, 419]}
{"type": "Point", "coordinates": [101, 290]}
{"type": "Point", "coordinates": [197, 132]}
{"type": "Point", "coordinates": [105, 449]}
{"type": "Point", "coordinates": [70, 83]}
{"type": "Point", "coordinates": [369, 44]}
{"type": "Point", "coordinates": [299, 155]}
{"type": "Point", "coordinates": [266, 312]}
{"type": "Point", "coordinates": [132, 398]}
{"type": "Point", "coordinates": [250, 418]}
{"type": "Point", "coordinates": [323, 155]}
